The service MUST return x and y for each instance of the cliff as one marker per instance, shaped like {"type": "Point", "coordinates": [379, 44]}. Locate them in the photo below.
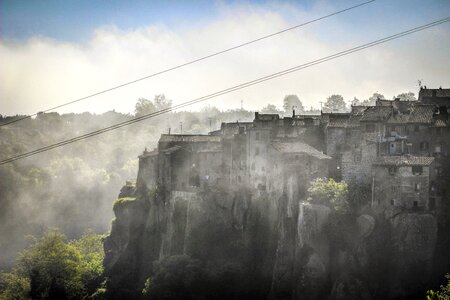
{"type": "Point", "coordinates": [237, 244]}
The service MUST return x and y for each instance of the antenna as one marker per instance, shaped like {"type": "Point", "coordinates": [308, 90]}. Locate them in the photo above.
{"type": "Point", "coordinates": [181, 127]}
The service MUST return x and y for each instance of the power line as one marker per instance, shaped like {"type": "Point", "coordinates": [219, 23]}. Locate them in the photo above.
{"type": "Point", "coordinates": [188, 63]}
{"type": "Point", "coordinates": [229, 90]}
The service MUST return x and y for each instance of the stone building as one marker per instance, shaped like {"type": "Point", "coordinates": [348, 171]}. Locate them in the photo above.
{"type": "Point", "coordinates": [382, 146]}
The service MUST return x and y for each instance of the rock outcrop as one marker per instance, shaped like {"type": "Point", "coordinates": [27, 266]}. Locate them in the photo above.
{"type": "Point", "coordinates": [268, 246]}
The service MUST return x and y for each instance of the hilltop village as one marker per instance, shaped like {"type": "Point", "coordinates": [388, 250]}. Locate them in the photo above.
{"type": "Point", "coordinates": [399, 148]}
{"type": "Point", "coordinates": [233, 200]}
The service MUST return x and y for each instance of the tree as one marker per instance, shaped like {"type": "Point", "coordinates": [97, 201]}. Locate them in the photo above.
{"type": "Point", "coordinates": [330, 193]}
{"type": "Point", "coordinates": [409, 96]}
{"type": "Point", "coordinates": [270, 109]}
{"type": "Point", "coordinates": [373, 99]}
{"type": "Point", "coordinates": [335, 103]}
{"type": "Point", "coordinates": [443, 293]}
{"type": "Point", "coordinates": [356, 102]}
{"type": "Point", "coordinates": [143, 107]}
{"type": "Point", "coordinates": [161, 102]}
{"type": "Point", "coordinates": [290, 102]}
{"type": "Point", "coordinates": [51, 268]}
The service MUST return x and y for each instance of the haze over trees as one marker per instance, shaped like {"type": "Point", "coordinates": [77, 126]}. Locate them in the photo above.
{"type": "Point", "coordinates": [291, 102]}
{"type": "Point", "coordinates": [335, 103]}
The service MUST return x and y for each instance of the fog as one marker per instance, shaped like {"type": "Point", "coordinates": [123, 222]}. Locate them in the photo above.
{"type": "Point", "coordinates": [73, 187]}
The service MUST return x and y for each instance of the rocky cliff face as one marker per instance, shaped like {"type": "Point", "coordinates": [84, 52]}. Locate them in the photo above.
{"type": "Point", "coordinates": [267, 246]}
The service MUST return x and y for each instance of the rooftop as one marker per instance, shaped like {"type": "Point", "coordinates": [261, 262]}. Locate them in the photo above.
{"type": "Point", "coordinates": [376, 113]}
{"type": "Point", "coordinates": [298, 147]}
{"type": "Point", "coordinates": [422, 114]}
{"type": "Point", "coordinates": [406, 160]}
{"type": "Point", "coordinates": [189, 138]}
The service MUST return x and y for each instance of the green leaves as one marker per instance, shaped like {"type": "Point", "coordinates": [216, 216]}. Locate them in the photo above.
{"type": "Point", "coordinates": [329, 192]}
{"type": "Point", "coordinates": [52, 268]}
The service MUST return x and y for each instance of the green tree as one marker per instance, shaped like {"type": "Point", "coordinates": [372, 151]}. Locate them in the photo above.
{"type": "Point", "coordinates": [335, 103]}
{"type": "Point", "coordinates": [52, 268]}
{"type": "Point", "coordinates": [443, 293]}
{"type": "Point", "coordinates": [290, 102]}
{"type": "Point", "coordinates": [330, 193]}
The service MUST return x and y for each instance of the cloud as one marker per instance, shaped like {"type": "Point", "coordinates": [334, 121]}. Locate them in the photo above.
{"type": "Point", "coordinates": [41, 73]}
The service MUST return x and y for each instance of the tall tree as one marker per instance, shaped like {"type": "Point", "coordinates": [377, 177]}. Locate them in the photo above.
{"type": "Point", "coordinates": [143, 107]}
{"type": "Point", "coordinates": [161, 102]}
{"type": "Point", "coordinates": [292, 101]}
{"type": "Point", "coordinates": [335, 103]}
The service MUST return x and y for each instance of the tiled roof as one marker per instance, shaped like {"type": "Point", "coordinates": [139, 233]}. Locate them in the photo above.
{"type": "Point", "coordinates": [376, 113]}
{"type": "Point", "coordinates": [191, 138]}
{"type": "Point", "coordinates": [298, 147]}
{"type": "Point", "coordinates": [398, 119]}
{"type": "Point", "coordinates": [422, 114]}
{"type": "Point", "coordinates": [441, 123]}
{"type": "Point", "coordinates": [404, 161]}
{"type": "Point", "coordinates": [338, 122]}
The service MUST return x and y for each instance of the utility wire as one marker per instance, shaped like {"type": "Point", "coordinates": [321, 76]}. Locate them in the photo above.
{"type": "Point", "coordinates": [229, 90]}
{"type": "Point", "coordinates": [188, 63]}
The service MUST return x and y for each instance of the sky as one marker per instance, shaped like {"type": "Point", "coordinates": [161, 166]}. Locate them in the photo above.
{"type": "Point", "coordinates": [55, 51]}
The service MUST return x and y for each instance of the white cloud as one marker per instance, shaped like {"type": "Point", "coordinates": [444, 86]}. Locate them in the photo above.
{"type": "Point", "coordinates": [41, 73]}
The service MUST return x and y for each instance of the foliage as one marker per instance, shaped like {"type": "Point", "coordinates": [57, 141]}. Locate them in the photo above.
{"type": "Point", "coordinates": [121, 201]}
{"type": "Point", "coordinates": [335, 103]}
{"type": "Point", "coordinates": [290, 102]}
{"type": "Point", "coordinates": [329, 192]}
{"type": "Point", "coordinates": [373, 99]}
{"type": "Point", "coordinates": [409, 96]}
{"type": "Point", "coordinates": [443, 293]}
{"type": "Point", "coordinates": [271, 109]}
{"type": "Point", "coordinates": [52, 268]}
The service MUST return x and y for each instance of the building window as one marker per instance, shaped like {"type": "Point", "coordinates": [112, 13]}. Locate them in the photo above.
{"type": "Point", "coordinates": [415, 203]}
{"type": "Point", "coordinates": [424, 146]}
{"type": "Point", "coordinates": [416, 128]}
{"type": "Point", "coordinates": [257, 136]}
{"type": "Point", "coordinates": [438, 171]}
{"type": "Point", "coordinates": [256, 151]}
{"type": "Point", "coordinates": [392, 170]}
{"type": "Point", "coordinates": [392, 201]}
{"type": "Point", "coordinates": [370, 128]}
{"type": "Point", "coordinates": [437, 149]}
{"type": "Point", "coordinates": [417, 187]}
{"type": "Point", "coordinates": [417, 170]}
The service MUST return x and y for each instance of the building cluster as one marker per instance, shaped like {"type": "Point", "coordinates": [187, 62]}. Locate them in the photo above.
{"type": "Point", "coordinates": [400, 149]}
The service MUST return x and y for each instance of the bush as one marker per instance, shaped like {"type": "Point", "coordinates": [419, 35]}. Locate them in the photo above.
{"type": "Point", "coordinates": [329, 192]}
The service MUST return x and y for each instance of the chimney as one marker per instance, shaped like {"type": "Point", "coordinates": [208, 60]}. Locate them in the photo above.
{"type": "Point", "coordinates": [256, 115]}
{"type": "Point", "coordinates": [293, 113]}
